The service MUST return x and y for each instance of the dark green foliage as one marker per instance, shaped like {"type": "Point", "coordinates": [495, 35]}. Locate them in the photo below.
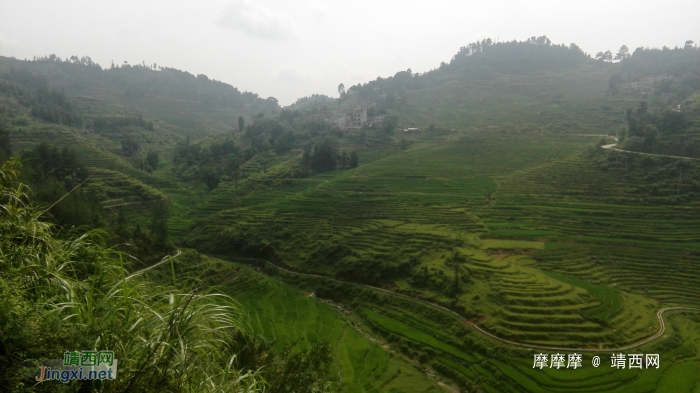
{"type": "Point", "coordinates": [195, 154]}
{"type": "Point", "coordinates": [679, 62]}
{"type": "Point", "coordinates": [47, 161]}
{"type": "Point", "coordinates": [329, 254]}
{"type": "Point", "coordinates": [31, 90]}
{"type": "Point", "coordinates": [614, 84]}
{"type": "Point", "coordinates": [54, 107]}
{"type": "Point", "coordinates": [672, 74]}
{"type": "Point", "coordinates": [153, 160]}
{"type": "Point", "coordinates": [187, 152]}
{"type": "Point", "coordinates": [143, 245]}
{"type": "Point", "coordinates": [197, 162]}
{"type": "Point", "coordinates": [160, 212]}
{"type": "Point", "coordinates": [371, 270]}
{"type": "Point", "coordinates": [80, 295]}
{"type": "Point", "coordinates": [52, 174]}
{"type": "Point", "coordinates": [28, 332]}
{"type": "Point", "coordinates": [233, 167]}
{"type": "Point", "coordinates": [303, 372]}
{"type": "Point", "coordinates": [5, 141]}
{"type": "Point", "coordinates": [344, 160]}
{"type": "Point", "coordinates": [374, 111]}
{"type": "Point", "coordinates": [113, 123]}
{"type": "Point", "coordinates": [390, 124]}
{"type": "Point", "coordinates": [354, 160]}
{"type": "Point", "coordinates": [314, 101]}
{"type": "Point", "coordinates": [129, 148]}
{"type": "Point", "coordinates": [234, 240]}
{"type": "Point", "coordinates": [436, 280]}
{"type": "Point", "coordinates": [325, 156]}
{"type": "Point", "coordinates": [241, 124]}
{"type": "Point", "coordinates": [533, 53]}
{"type": "Point", "coordinates": [267, 133]}
{"type": "Point", "coordinates": [210, 178]}
{"type": "Point", "coordinates": [665, 131]}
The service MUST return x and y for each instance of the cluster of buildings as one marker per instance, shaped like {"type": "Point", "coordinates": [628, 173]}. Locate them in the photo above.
{"type": "Point", "coordinates": [353, 117]}
{"type": "Point", "coordinates": [640, 87]}
{"type": "Point", "coordinates": [648, 85]}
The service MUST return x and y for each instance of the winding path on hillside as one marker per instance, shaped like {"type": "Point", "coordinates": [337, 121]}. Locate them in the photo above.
{"type": "Point", "coordinates": [612, 147]}
{"type": "Point", "coordinates": [657, 335]}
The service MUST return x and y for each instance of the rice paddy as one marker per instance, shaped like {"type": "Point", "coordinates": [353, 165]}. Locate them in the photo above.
{"type": "Point", "coordinates": [556, 250]}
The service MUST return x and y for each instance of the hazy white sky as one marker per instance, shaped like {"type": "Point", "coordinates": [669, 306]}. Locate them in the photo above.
{"type": "Point", "coordinates": [293, 48]}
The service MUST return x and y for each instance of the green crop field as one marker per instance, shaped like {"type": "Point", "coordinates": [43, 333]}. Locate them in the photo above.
{"type": "Point", "coordinates": [453, 349]}
{"type": "Point", "coordinates": [564, 261]}
{"type": "Point", "coordinates": [288, 317]}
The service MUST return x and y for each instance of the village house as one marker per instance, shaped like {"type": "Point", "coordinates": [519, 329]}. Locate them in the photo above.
{"type": "Point", "coordinates": [350, 117]}
{"type": "Point", "coordinates": [643, 87]}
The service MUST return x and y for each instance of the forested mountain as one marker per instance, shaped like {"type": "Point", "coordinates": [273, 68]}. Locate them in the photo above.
{"type": "Point", "coordinates": [554, 87]}
{"type": "Point", "coordinates": [189, 104]}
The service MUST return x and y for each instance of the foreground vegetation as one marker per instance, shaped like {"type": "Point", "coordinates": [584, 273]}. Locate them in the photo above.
{"type": "Point", "coordinates": [73, 293]}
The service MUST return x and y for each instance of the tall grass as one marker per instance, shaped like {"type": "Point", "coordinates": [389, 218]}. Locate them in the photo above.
{"type": "Point", "coordinates": [74, 293]}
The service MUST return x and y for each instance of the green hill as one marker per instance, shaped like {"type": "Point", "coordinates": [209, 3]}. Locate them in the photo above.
{"type": "Point", "coordinates": [177, 101]}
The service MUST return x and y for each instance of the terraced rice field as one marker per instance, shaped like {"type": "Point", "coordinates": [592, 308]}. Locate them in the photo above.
{"type": "Point", "coordinates": [558, 251]}
{"type": "Point", "coordinates": [382, 212]}
{"type": "Point", "coordinates": [615, 228]}
{"type": "Point", "coordinates": [475, 363]}
{"type": "Point", "coordinates": [288, 317]}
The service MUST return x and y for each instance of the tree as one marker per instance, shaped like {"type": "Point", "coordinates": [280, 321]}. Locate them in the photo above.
{"type": "Point", "coordinates": [389, 124]}
{"type": "Point", "coordinates": [623, 53]}
{"type": "Point", "coordinates": [614, 84]}
{"type": "Point", "coordinates": [643, 108]}
{"type": "Point", "coordinates": [210, 178]}
{"type": "Point", "coordinates": [233, 167]}
{"type": "Point", "coordinates": [607, 56]}
{"type": "Point", "coordinates": [129, 148]}
{"type": "Point", "coordinates": [341, 90]}
{"type": "Point", "coordinates": [604, 56]}
{"type": "Point", "coordinates": [344, 160]}
{"type": "Point", "coordinates": [302, 372]}
{"type": "Point", "coordinates": [308, 150]}
{"type": "Point", "coordinates": [354, 160]}
{"type": "Point", "coordinates": [241, 123]}
{"type": "Point", "coordinates": [70, 169]}
{"type": "Point", "coordinates": [390, 100]}
{"type": "Point", "coordinates": [160, 213]}
{"type": "Point", "coordinates": [5, 142]}
{"type": "Point", "coordinates": [152, 159]}
{"type": "Point", "coordinates": [456, 287]}
{"type": "Point", "coordinates": [325, 156]}
{"type": "Point", "coordinates": [650, 133]}
{"type": "Point", "coordinates": [456, 260]}
{"type": "Point", "coordinates": [689, 44]}
{"type": "Point", "coordinates": [265, 159]}
{"type": "Point", "coordinates": [622, 134]}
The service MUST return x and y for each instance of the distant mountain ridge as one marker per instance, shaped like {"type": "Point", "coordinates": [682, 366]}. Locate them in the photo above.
{"type": "Point", "coordinates": [193, 105]}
